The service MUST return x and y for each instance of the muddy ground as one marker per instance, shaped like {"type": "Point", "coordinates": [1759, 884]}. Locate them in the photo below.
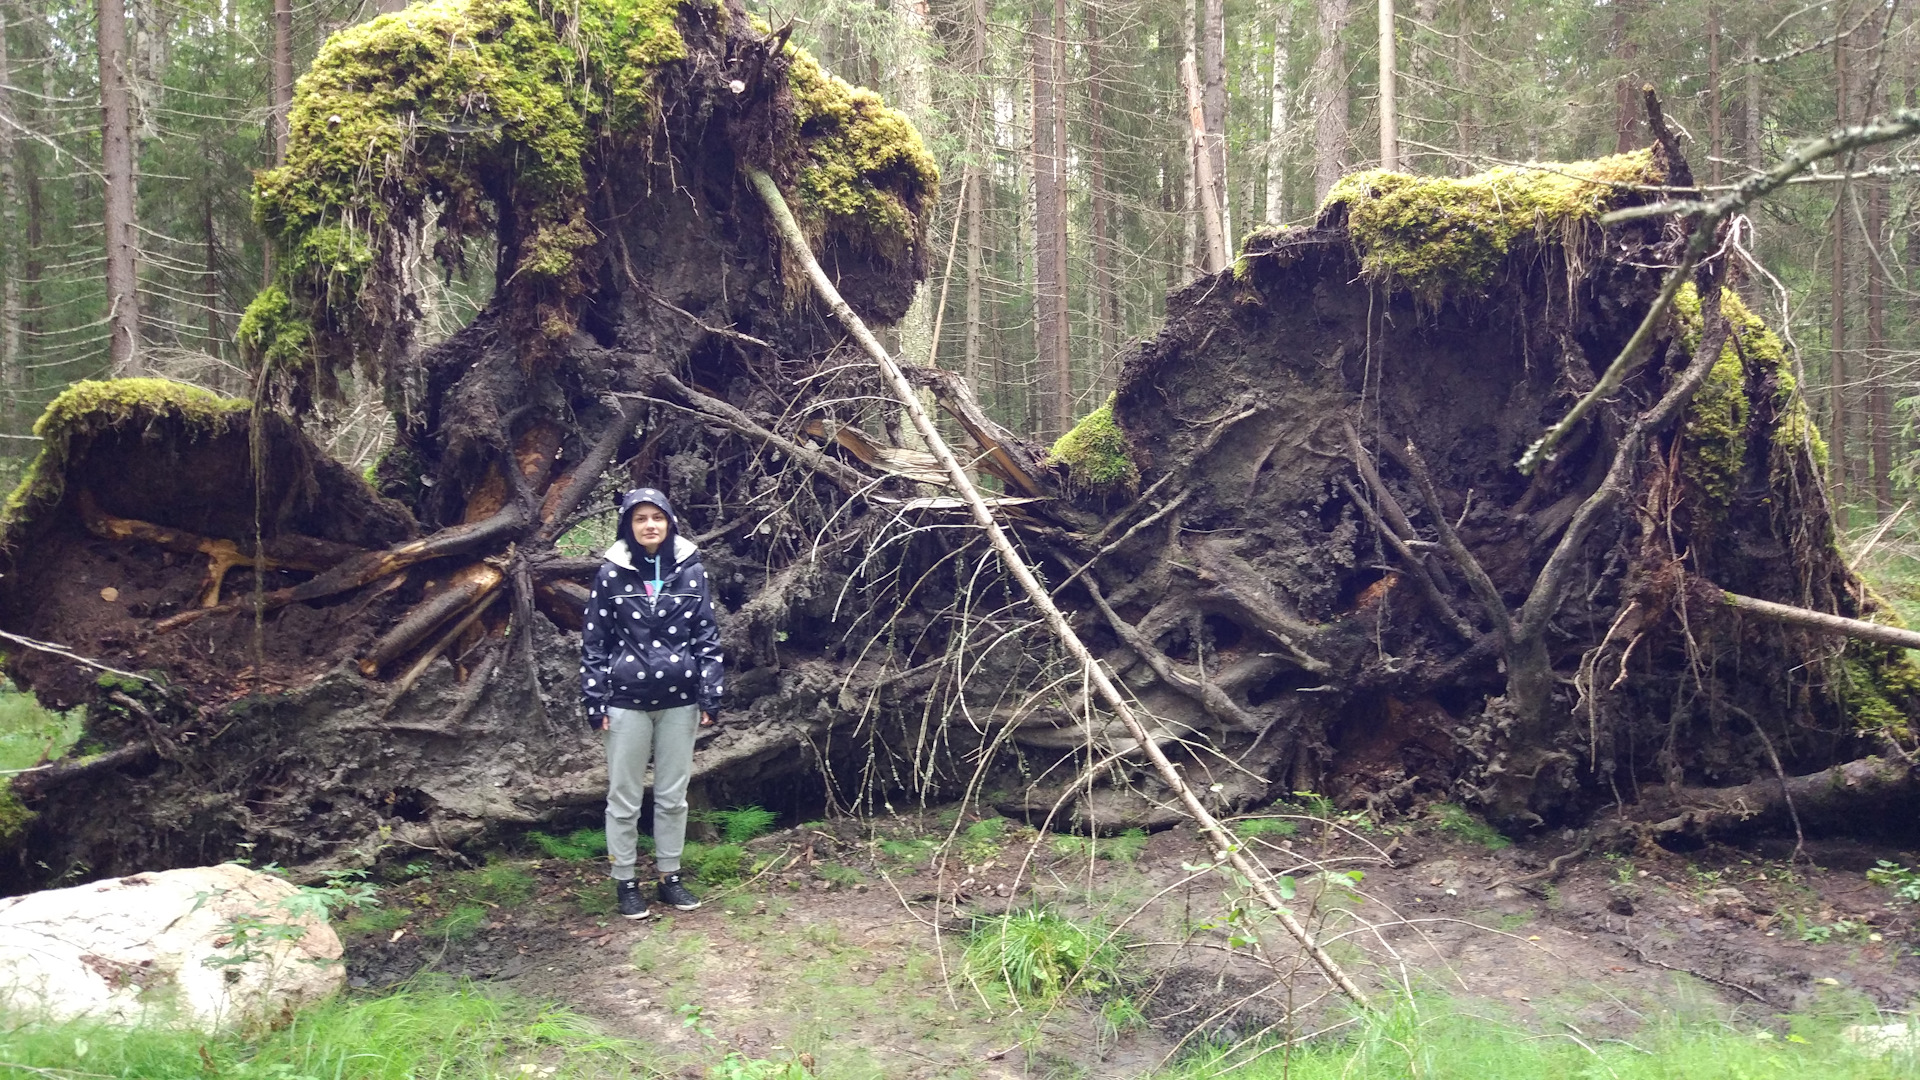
{"type": "Point", "coordinates": [846, 946]}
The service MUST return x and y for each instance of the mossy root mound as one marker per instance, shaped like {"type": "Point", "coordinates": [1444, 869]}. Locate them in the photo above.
{"type": "Point", "coordinates": [402, 675]}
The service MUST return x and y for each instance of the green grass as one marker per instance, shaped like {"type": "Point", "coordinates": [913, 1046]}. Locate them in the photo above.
{"type": "Point", "coordinates": [376, 920]}
{"type": "Point", "coordinates": [427, 1028]}
{"type": "Point", "coordinates": [1125, 847]}
{"type": "Point", "coordinates": [1039, 954]}
{"type": "Point", "coordinates": [30, 734]}
{"type": "Point", "coordinates": [1266, 826]}
{"type": "Point", "coordinates": [505, 884]}
{"type": "Point", "coordinates": [580, 845]}
{"type": "Point", "coordinates": [1443, 1040]}
{"type": "Point", "coordinates": [840, 877]}
{"type": "Point", "coordinates": [461, 923]}
{"type": "Point", "coordinates": [714, 864]}
{"type": "Point", "coordinates": [741, 824]}
{"type": "Point", "coordinates": [1458, 821]}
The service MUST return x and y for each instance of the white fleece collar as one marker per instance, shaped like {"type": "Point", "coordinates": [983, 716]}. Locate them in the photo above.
{"type": "Point", "coordinates": [620, 555]}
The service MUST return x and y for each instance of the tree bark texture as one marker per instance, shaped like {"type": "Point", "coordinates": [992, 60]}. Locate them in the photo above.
{"type": "Point", "coordinates": [119, 226]}
{"type": "Point", "coordinates": [1051, 329]}
{"type": "Point", "coordinates": [1389, 107]}
{"type": "Point", "coordinates": [1279, 94]}
{"type": "Point", "coordinates": [1329, 82]}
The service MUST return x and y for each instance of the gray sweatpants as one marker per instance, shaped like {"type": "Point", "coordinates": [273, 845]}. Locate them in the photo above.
{"type": "Point", "coordinates": [632, 737]}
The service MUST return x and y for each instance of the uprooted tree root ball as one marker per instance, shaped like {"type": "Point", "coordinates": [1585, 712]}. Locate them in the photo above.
{"type": "Point", "coordinates": [1296, 533]}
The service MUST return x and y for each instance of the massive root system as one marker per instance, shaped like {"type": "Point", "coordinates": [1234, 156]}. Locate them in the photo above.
{"type": "Point", "coordinates": [1297, 533]}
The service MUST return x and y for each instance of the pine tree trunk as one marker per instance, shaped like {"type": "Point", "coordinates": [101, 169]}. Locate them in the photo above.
{"type": "Point", "coordinates": [1715, 140]}
{"type": "Point", "coordinates": [1837, 302]}
{"type": "Point", "coordinates": [1389, 107]}
{"type": "Point", "coordinates": [973, 208]}
{"type": "Point", "coordinates": [280, 91]}
{"type": "Point", "coordinates": [12, 373]}
{"type": "Point", "coordinates": [1463, 124]}
{"type": "Point", "coordinates": [1102, 296]}
{"type": "Point", "coordinates": [1626, 97]}
{"type": "Point", "coordinates": [1329, 79]}
{"type": "Point", "coordinates": [1049, 224]}
{"type": "Point", "coordinates": [1213, 103]}
{"type": "Point", "coordinates": [915, 98]}
{"type": "Point", "coordinates": [1281, 20]}
{"type": "Point", "coordinates": [1755, 131]}
{"type": "Point", "coordinates": [116, 138]}
{"type": "Point", "coordinates": [210, 240]}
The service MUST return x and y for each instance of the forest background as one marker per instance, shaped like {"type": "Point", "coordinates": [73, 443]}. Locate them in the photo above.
{"type": "Point", "coordinates": [1073, 197]}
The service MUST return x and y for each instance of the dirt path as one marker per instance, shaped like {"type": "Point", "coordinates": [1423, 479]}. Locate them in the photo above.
{"type": "Point", "coordinates": [837, 953]}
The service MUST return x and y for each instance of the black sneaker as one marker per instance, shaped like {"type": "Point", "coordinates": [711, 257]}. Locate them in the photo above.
{"type": "Point", "coordinates": [675, 895]}
{"type": "Point", "coordinates": [632, 904]}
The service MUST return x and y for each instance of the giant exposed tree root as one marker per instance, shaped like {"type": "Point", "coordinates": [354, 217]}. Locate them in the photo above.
{"type": "Point", "coordinates": [1328, 575]}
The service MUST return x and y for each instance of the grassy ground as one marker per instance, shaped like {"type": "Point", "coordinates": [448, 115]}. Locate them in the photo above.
{"type": "Point", "coordinates": [456, 1031]}
{"type": "Point", "coordinates": [29, 733]}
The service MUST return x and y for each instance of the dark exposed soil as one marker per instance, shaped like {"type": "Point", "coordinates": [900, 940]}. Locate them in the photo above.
{"type": "Point", "coordinates": [855, 974]}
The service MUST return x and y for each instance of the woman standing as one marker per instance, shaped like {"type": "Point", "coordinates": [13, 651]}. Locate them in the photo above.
{"type": "Point", "coordinates": [650, 673]}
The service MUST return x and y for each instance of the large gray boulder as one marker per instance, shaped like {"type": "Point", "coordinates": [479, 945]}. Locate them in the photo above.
{"type": "Point", "coordinates": [206, 947]}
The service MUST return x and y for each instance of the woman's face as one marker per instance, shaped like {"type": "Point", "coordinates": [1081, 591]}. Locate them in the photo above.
{"type": "Point", "coordinates": [649, 524]}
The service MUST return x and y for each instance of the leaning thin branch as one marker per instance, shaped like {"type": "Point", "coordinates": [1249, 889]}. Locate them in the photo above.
{"type": "Point", "coordinates": [1227, 846]}
{"type": "Point", "coordinates": [51, 649]}
{"type": "Point", "coordinates": [1900, 124]}
{"type": "Point", "coordinates": [1820, 621]}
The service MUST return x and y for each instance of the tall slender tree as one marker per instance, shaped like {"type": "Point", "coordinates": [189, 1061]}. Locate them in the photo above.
{"type": "Point", "coordinates": [1389, 107]}
{"type": "Point", "coordinates": [1329, 79]}
{"type": "Point", "coordinates": [116, 141]}
{"type": "Point", "coordinates": [1279, 94]}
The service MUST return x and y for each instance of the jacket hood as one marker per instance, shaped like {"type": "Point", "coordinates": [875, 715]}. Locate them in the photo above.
{"type": "Point", "coordinates": [626, 550]}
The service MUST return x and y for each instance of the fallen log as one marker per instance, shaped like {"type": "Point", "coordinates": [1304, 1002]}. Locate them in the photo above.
{"type": "Point", "coordinates": [1869, 794]}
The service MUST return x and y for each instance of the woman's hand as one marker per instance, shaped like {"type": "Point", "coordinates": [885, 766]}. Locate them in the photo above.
{"type": "Point", "coordinates": [606, 722]}
{"type": "Point", "coordinates": [706, 719]}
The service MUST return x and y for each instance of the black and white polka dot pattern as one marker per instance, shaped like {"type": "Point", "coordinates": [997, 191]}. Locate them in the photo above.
{"type": "Point", "coordinates": [667, 649]}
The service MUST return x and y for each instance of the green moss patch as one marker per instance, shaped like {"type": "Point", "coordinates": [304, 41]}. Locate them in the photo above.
{"type": "Point", "coordinates": [1095, 454]}
{"type": "Point", "coordinates": [1438, 235]}
{"type": "Point", "coordinates": [867, 177]}
{"type": "Point", "coordinates": [1715, 433]}
{"type": "Point", "coordinates": [90, 408]}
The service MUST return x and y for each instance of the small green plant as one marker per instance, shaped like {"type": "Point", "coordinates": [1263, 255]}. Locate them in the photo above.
{"type": "Point", "coordinates": [1125, 847]}
{"type": "Point", "coordinates": [741, 824]}
{"type": "Point", "coordinates": [461, 923]}
{"type": "Point", "coordinates": [1620, 866]}
{"type": "Point", "coordinates": [1120, 1015]}
{"type": "Point", "coordinates": [694, 1017]}
{"type": "Point", "coordinates": [1038, 954]}
{"type": "Point", "coordinates": [580, 845]}
{"type": "Point", "coordinates": [1902, 881]}
{"type": "Point", "coordinates": [1839, 930]}
{"type": "Point", "coordinates": [505, 884]}
{"type": "Point", "coordinates": [980, 841]}
{"type": "Point", "coordinates": [715, 864]}
{"type": "Point", "coordinates": [378, 920]}
{"type": "Point", "coordinates": [1449, 818]}
{"type": "Point", "coordinates": [737, 1067]}
{"type": "Point", "coordinates": [907, 851]}
{"type": "Point", "coordinates": [595, 900]}
{"type": "Point", "coordinates": [840, 877]}
{"type": "Point", "coordinates": [1266, 826]}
